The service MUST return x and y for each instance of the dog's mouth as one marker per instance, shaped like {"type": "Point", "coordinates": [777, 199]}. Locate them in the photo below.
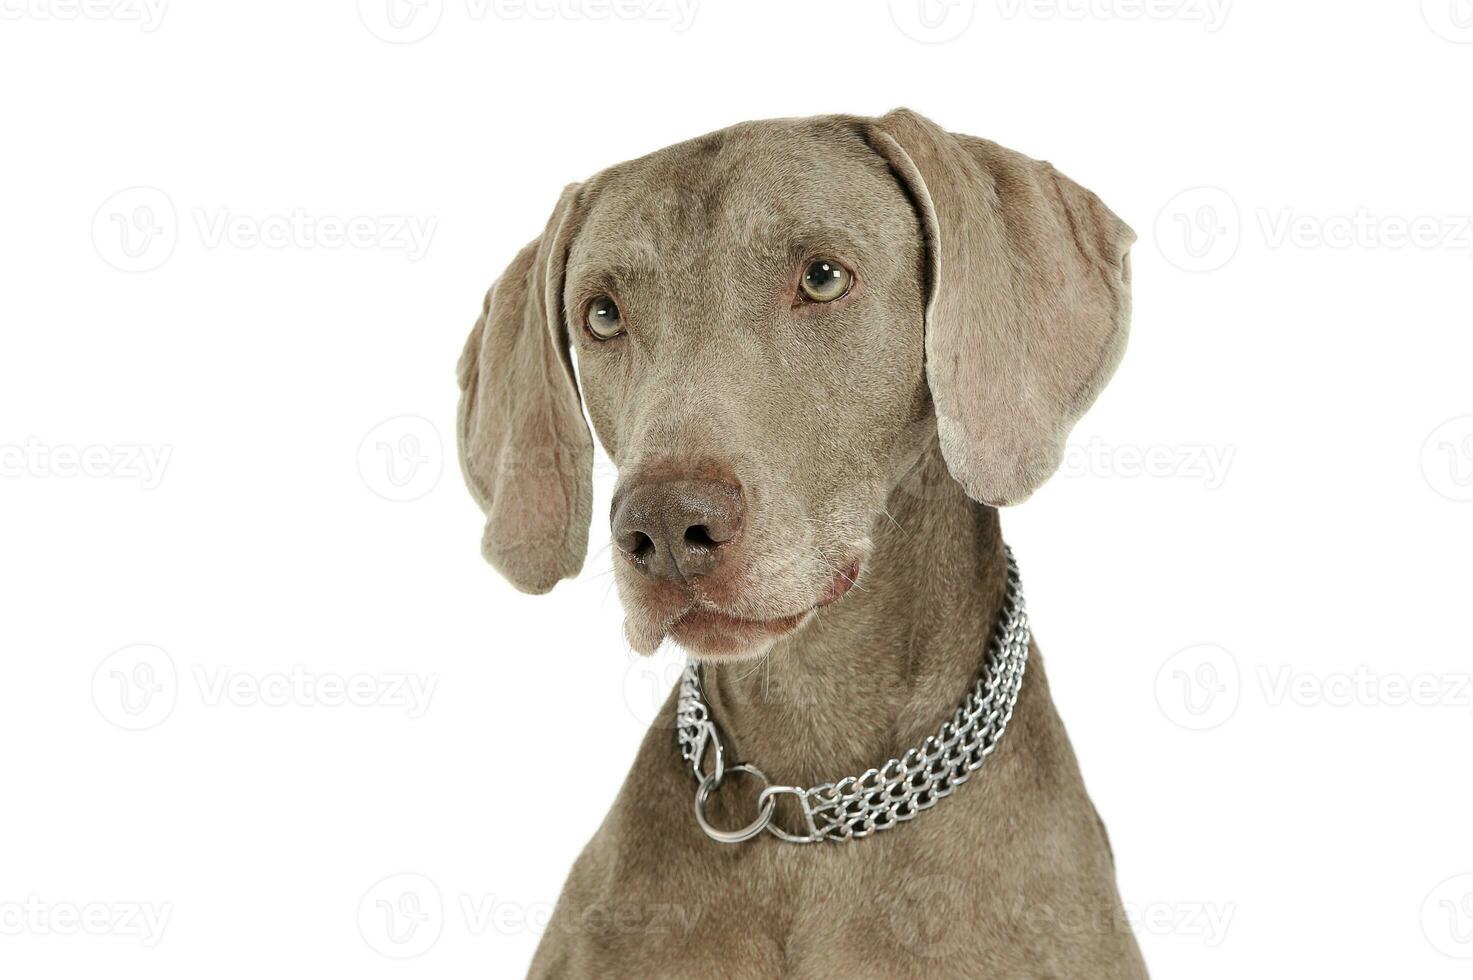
{"type": "Point", "coordinates": [710, 633]}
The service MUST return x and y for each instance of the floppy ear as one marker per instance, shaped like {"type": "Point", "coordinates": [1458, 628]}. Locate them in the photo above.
{"type": "Point", "coordinates": [525, 449]}
{"type": "Point", "coordinates": [1028, 306]}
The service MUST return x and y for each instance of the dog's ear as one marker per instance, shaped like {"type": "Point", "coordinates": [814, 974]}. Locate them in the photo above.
{"type": "Point", "coordinates": [1028, 302]}
{"type": "Point", "coordinates": [525, 449]}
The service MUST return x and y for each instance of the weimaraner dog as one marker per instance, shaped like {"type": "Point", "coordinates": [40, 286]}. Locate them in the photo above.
{"type": "Point", "coordinates": [821, 352]}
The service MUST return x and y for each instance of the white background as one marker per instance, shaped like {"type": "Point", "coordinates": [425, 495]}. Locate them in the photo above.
{"type": "Point", "coordinates": [1259, 545]}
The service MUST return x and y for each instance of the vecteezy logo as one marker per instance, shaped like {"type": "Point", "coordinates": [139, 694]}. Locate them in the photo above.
{"type": "Point", "coordinates": [647, 684]}
{"type": "Point", "coordinates": [1199, 688]}
{"type": "Point", "coordinates": [136, 687]}
{"type": "Point", "coordinates": [401, 21]}
{"type": "Point", "coordinates": [1199, 229]}
{"type": "Point", "coordinates": [401, 458]}
{"type": "Point", "coordinates": [401, 917]}
{"type": "Point", "coordinates": [950, 905]}
{"type": "Point", "coordinates": [1447, 917]}
{"type": "Point", "coordinates": [1451, 20]}
{"type": "Point", "coordinates": [136, 229]}
{"type": "Point", "coordinates": [933, 21]}
{"type": "Point", "coordinates": [1447, 459]}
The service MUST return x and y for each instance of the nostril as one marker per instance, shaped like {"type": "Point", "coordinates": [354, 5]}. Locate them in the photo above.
{"type": "Point", "coordinates": [637, 544]}
{"type": "Point", "coordinates": [699, 536]}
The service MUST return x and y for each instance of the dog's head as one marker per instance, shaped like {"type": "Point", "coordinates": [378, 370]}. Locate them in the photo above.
{"type": "Point", "coordinates": [772, 323]}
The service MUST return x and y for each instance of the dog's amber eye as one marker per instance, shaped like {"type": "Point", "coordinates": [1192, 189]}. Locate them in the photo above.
{"type": "Point", "coordinates": [603, 318]}
{"type": "Point", "coordinates": [825, 280]}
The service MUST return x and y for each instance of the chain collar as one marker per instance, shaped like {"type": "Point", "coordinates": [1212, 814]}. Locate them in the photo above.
{"type": "Point", "coordinates": [857, 806]}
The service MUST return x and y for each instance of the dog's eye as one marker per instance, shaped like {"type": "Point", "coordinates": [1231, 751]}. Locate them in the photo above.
{"type": "Point", "coordinates": [602, 318]}
{"type": "Point", "coordinates": [825, 280]}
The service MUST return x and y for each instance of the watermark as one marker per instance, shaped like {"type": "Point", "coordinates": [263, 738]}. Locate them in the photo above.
{"type": "Point", "coordinates": [1202, 687]}
{"type": "Point", "coordinates": [488, 915]}
{"type": "Point", "coordinates": [933, 21]}
{"type": "Point", "coordinates": [1207, 922]}
{"type": "Point", "coordinates": [1211, 14]}
{"type": "Point", "coordinates": [1203, 922]}
{"type": "Point", "coordinates": [138, 229]}
{"type": "Point", "coordinates": [1363, 687]}
{"type": "Point", "coordinates": [407, 233]}
{"type": "Point", "coordinates": [301, 688]}
{"type": "Point", "coordinates": [147, 14]}
{"type": "Point", "coordinates": [1199, 229]}
{"type": "Point", "coordinates": [401, 916]}
{"type": "Point", "coordinates": [35, 916]}
{"type": "Point", "coordinates": [1364, 229]}
{"type": "Point", "coordinates": [1451, 20]}
{"type": "Point", "coordinates": [1447, 459]}
{"type": "Point", "coordinates": [1447, 917]}
{"type": "Point", "coordinates": [951, 907]}
{"type": "Point", "coordinates": [138, 687]}
{"type": "Point", "coordinates": [401, 459]}
{"type": "Point", "coordinates": [142, 462]}
{"type": "Point", "coordinates": [1206, 464]}
{"type": "Point", "coordinates": [1199, 687]}
{"type": "Point", "coordinates": [648, 682]}
{"type": "Point", "coordinates": [408, 21]}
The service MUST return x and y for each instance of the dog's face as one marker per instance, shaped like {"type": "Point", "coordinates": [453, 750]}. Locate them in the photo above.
{"type": "Point", "coordinates": [771, 324]}
{"type": "Point", "coordinates": [762, 381]}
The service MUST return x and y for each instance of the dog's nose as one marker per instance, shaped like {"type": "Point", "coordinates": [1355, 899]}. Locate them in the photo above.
{"type": "Point", "coordinates": [674, 529]}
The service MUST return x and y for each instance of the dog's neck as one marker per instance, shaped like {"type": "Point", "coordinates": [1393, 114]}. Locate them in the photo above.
{"type": "Point", "coordinates": [880, 670]}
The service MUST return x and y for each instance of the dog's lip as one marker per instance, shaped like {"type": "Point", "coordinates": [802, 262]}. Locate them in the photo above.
{"type": "Point", "coordinates": [842, 582]}
{"type": "Point", "coordinates": [705, 627]}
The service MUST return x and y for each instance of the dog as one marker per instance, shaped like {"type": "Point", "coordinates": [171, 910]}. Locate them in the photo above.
{"type": "Point", "coordinates": [822, 353]}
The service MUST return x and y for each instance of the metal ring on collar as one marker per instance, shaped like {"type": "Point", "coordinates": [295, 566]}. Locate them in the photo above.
{"type": "Point", "coordinates": [764, 810]}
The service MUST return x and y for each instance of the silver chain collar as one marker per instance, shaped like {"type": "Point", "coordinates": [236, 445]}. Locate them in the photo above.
{"type": "Point", "coordinates": [857, 806]}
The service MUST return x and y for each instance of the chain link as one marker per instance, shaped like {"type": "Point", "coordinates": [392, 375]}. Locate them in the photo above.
{"type": "Point", "coordinates": [857, 806]}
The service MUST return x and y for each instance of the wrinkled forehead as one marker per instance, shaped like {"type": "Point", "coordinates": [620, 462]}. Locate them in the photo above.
{"type": "Point", "coordinates": [762, 189]}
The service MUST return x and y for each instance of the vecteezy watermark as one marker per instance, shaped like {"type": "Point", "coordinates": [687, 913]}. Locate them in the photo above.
{"type": "Point", "coordinates": [486, 914]}
{"type": "Point", "coordinates": [933, 21]}
{"type": "Point", "coordinates": [119, 461]}
{"type": "Point", "coordinates": [138, 687]}
{"type": "Point", "coordinates": [1447, 917]}
{"type": "Point", "coordinates": [147, 14]}
{"type": "Point", "coordinates": [1199, 229]}
{"type": "Point", "coordinates": [401, 21]}
{"type": "Point", "coordinates": [35, 916]}
{"type": "Point", "coordinates": [1204, 921]}
{"type": "Point", "coordinates": [401, 916]}
{"type": "Point", "coordinates": [1365, 229]}
{"type": "Point", "coordinates": [1363, 687]}
{"type": "Point", "coordinates": [407, 21]}
{"type": "Point", "coordinates": [648, 682]}
{"type": "Point", "coordinates": [299, 687]}
{"type": "Point", "coordinates": [1211, 14]}
{"type": "Point", "coordinates": [1199, 687]}
{"type": "Point", "coordinates": [137, 230]}
{"type": "Point", "coordinates": [298, 228]}
{"type": "Point", "coordinates": [1202, 686]}
{"type": "Point", "coordinates": [1207, 464]}
{"type": "Point", "coordinates": [953, 905]}
{"type": "Point", "coordinates": [1451, 20]}
{"type": "Point", "coordinates": [401, 458]}
{"type": "Point", "coordinates": [1447, 459]}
